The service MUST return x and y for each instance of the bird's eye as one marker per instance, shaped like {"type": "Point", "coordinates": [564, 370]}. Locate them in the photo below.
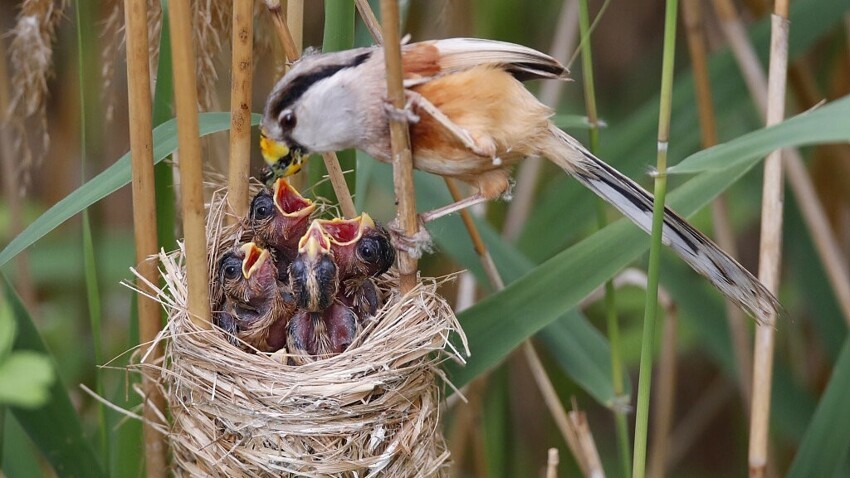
{"type": "Point", "coordinates": [287, 119]}
{"type": "Point", "coordinates": [231, 266]}
{"type": "Point", "coordinates": [368, 250]}
{"type": "Point", "coordinates": [262, 207]}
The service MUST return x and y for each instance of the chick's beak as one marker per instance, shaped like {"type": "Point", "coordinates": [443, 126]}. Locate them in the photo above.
{"type": "Point", "coordinates": [314, 242]}
{"type": "Point", "coordinates": [254, 258]}
{"type": "Point", "coordinates": [289, 202]}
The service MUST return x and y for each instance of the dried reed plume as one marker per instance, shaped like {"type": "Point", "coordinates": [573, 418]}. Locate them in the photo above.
{"type": "Point", "coordinates": [31, 54]}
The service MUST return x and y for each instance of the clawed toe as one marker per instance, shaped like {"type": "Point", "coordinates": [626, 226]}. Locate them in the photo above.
{"type": "Point", "coordinates": [414, 245]}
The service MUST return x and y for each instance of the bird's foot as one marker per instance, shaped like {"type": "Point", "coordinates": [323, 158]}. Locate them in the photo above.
{"type": "Point", "coordinates": [405, 114]}
{"type": "Point", "coordinates": [414, 245]}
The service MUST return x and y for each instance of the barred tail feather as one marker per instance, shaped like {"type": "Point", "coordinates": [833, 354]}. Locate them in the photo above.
{"type": "Point", "coordinates": [697, 250]}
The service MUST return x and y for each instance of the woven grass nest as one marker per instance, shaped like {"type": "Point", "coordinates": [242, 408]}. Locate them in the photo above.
{"type": "Point", "coordinates": [373, 410]}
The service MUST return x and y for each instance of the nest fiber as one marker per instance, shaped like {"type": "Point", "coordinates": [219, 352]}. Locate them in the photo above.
{"type": "Point", "coordinates": [373, 410]}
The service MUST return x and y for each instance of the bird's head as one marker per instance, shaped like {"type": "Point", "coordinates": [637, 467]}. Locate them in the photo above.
{"type": "Point", "coordinates": [313, 273]}
{"type": "Point", "coordinates": [361, 246]}
{"type": "Point", "coordinates": [280, 217]}
{"type": "Point", "coordinates": [312, 109]}
{"type": "Point", "coordinates": [246, 273]}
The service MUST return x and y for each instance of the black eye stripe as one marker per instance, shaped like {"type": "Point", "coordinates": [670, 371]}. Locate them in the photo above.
{"type": "Point", "coordinates": [299, 85]}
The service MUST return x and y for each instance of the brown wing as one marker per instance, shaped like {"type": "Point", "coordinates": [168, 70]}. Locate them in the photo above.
{"type": "Point", "coordinates": [428, 59]}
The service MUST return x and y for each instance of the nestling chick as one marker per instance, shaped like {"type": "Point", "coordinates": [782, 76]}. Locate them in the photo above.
{"type": "Point", "coordinates": [362, 249]}
{"type": "Point", "coordinates": [313, 274]}
{"type": "Point", "coordinates": [257, 307]}
{"type": "Point", "coordinates": [471, 119]}
{"type": "Point", "coordinates": [321, 334]}
{"type": "Point", "coordinates": [279, 219]}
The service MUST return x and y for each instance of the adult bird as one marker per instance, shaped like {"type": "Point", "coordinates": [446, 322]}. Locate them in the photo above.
{"type": "Point", "coordinates": [472, 119]}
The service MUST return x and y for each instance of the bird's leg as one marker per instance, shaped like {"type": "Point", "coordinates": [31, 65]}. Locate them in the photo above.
{"type": "Point", "coordinates": [433, 214]}
{"type": "Point", "coordinates": [477, 145]}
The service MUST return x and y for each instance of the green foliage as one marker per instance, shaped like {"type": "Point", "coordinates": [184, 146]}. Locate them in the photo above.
{"type": "Point", "coordinates": [25, 376]}
{"type": "Point", "coordinates": [54, 426]}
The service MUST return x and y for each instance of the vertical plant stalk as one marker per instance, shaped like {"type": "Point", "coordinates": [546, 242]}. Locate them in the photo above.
{"type": "Point", "coordinates": [191, 172]}
{"type": "Point", "coordinates": [613, 326]}
{"type": "Point", "coordinates": [693, 19]}
{"type": "Point", "coordinates": [343, 194]}
{"type": "Point", "coordinates": [579, 441]}
{"type": "Point", "coordinates": [242, 69]}
{"type": "Point", "coordinates": [664, 400]}
{"type": "Point", "coordinates": [144, 220]}
{"type": "Point", "coordinates": [770, 249]}
{"type": "Point", "coordinates": [484, 256]}
{"type": "Point", "coordinates": [552, 461]}
{"type": "Point", "coordinates": [370, 20]}
{"type": "Point", "coordinates": [647, 343]}
{"type": "Point", "coordinates": [295, 24]}
{"type": "Point", "coordinates": [402, 159]}
{"type": "Point", "coordinates": [550, 93]}
{"type": "Point", "coordinates": [826, 244]}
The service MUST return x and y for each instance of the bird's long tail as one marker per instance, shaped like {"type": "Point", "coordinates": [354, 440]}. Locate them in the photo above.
{"type": "Point", "coordinates": [703, 255]}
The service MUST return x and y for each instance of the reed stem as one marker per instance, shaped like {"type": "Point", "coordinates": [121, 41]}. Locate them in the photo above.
{"type": "Point", "coordinates": [650, 313]}
{"type": "Point", "coordinates": [620, 419]}
{"type": "Point", "coordinates": [240, 109]}
{"type": "Point", "coordinates": [735, 318]}
{"type": "Point", "coordinates": [144, 220]}
{"type": "Point", "coordinates": [191, 171]}
{"type": "Point", "coordinates": [402, 158]}
{"type": "Point", "coordinates": [770, 249]}
{"type": "Point", "coordinates": [343, 194]}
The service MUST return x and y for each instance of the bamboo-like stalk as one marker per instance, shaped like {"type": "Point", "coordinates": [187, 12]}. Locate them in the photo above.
{"type": "Point", "coordinates": [191, 172]}
{"type": "Point", "coordinates": [550, 93]}
{"type": "Point", "coordinates": [552, 461]}
{"type": "Point", "coordinates": [240, 108]}
{"type": "Point", "coordinates": [477, 243]}
{"type": "Point", "coordinates": [295, 24]}
{"type": "Point", "coordinates": [343, 194]}
{"type": "Point", "coordinates": [664, 400]}
{"type": "Point", "coordinates": [645, 379]}
{"type": "Point", "coordinates": [613, 326]}
{"type": "Point", "coordinates": [771, 245]}
{"type": "Point", "coordinates": [582, 450]}
{"type": "Point", "coordinates": [144, 220]}
{"type": "Point", "coordinates": [370, 20]}
{"type": "Point", "coordinates": [402, 161]}
{"type": "Point", "coordinates": [699, 417]}
{"type": "Point", "coordinates": [735, 318]}
{"type": "Point", "coordinates": [578, 419]}
{"type": "Point", "coordinates": [23, 279]}
{"type": "Point", "coordinates": [829, 251]}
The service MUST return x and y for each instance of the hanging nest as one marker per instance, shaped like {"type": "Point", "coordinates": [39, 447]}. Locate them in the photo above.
{"type": "Point", "coordinates": [372, 410]}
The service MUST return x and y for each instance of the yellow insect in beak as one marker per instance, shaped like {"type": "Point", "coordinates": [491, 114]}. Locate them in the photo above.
{"type": "Point", "coordinates": [273, 151]}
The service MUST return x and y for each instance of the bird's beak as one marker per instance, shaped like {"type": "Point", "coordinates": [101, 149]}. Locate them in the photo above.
{"type": "Point", "coordinates": [289, 202]}
{"type": "Point", "coordinates": [282, 160]}
{"type": "Point", "coordinates": [346, 231]}
{"type": "Point", "coordinates": [254, 258]}
{"type": "Point", "coordinates": [314, 242]}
